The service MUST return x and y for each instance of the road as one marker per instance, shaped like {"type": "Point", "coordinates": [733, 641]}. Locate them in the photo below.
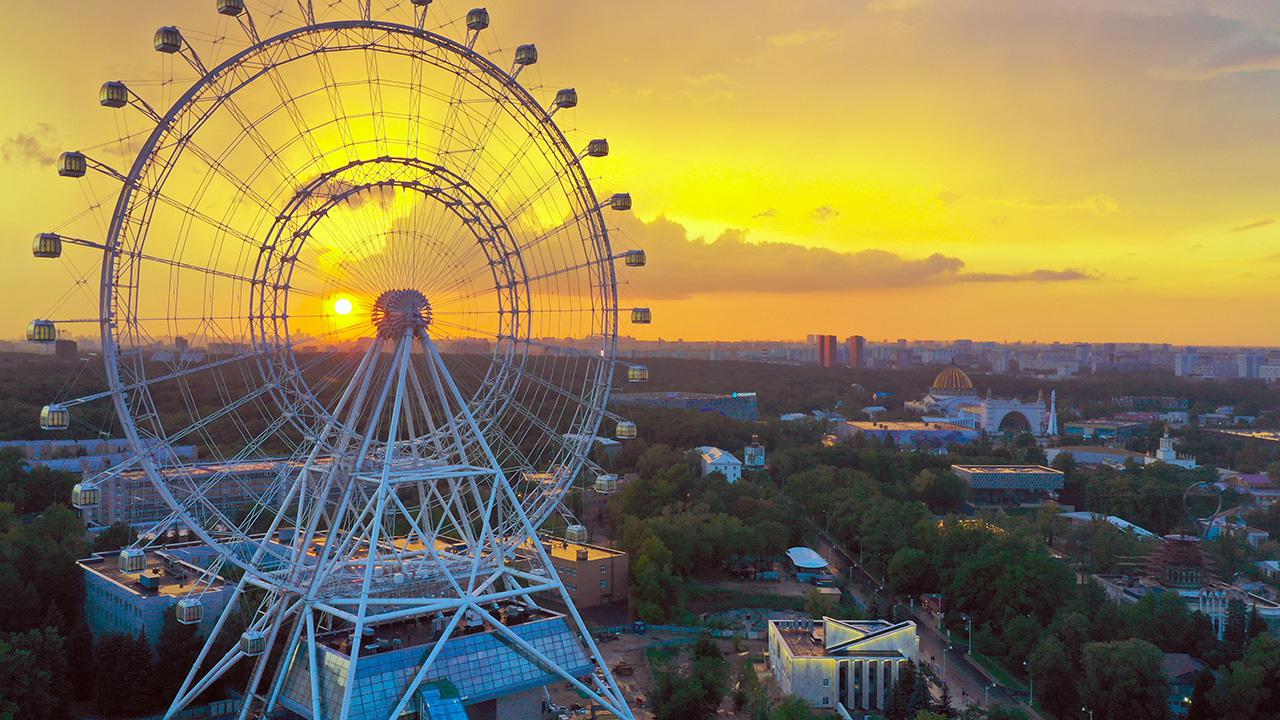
{"type": "Point", "coordinates": [965, 683]}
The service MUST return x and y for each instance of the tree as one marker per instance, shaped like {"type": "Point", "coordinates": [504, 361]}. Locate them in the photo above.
{"type": "Point", "coordinates": [79, 647]}
{"type": "Point", "coordinates": [1235, 631]}
{"type": "Point", "coordinates": [747, 689]}
{"type": "Point", "coordinates": [657, 589]}
{"type": "Point", "coordinates": [1072, 630]}
{"type": "Point", "coordinates": [944, 707]}
{"type": "Point", "coordinates": [1200, 708]}
{"type": "Point", "coordinates": [818, 605]}
{"type": "Point", "coordinates": [791, 708]}
{"type": "Point", "coordinates": [911, 572]}
{"type": "Point", "coordinates": [122, 678]}
{"type": "Point", "coordinates": [942, 491]}
{"type": "Point", "coordinates": [709, 670]}
{"type": "Point", "coordinates": [176, 652]}
{"type": "Point", "coordinates": [33, 676]}
{"type": "Point", "coordinates": [1123, 679]}
{"type": "Point", "coordinates": [1050, 668]}
{"type": "Point", "coordinates": [1019, 637]}
{"type": "Point", "coordinates": [1252, 686]}
{"type": "Point", "coordinates": [1256, 625]}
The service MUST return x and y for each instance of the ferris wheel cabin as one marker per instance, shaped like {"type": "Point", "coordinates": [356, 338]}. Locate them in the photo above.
{"type": "Point", "coordinates": [47, 245]}
{"type": "Point", "coordinates": [598, 148]}
{"type": "Point", "coordinates": [72, 164]}
{"type": "Point", "coordinates": [230, 8]}
{"type": "Point", "coordinates": [526, 55]}
{"type": "Point", "coordinates": [113, 94]}
{"type": "Point", "coordinates": [42, 331]}
{"type": "Point", "coordinates": [477, 19]}
{"type": "Point", "coordinates": [168, 39]}
{"type": "Point", "coordinates": [55, 417]}
{"type": "Point", "coordinates": [626, 430]}
{"type": "Point", "coordinates": [566, 98]}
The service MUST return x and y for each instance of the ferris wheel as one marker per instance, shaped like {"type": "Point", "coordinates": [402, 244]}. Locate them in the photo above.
{"type": "Point", "coordinates": [388, 303]}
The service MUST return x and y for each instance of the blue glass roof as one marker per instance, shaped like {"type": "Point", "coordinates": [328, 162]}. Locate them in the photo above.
{"type": "Point", "coordinates": [440, 701]}
{"type": "Point", "coordinates": [479, 667]}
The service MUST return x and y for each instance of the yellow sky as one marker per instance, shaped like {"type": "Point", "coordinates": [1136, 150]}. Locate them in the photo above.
{"type": "Point", "coordinates": [1004, 169]}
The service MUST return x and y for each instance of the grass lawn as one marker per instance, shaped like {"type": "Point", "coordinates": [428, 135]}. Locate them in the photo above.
{"type": "Point", "coordinates": [998, 672]}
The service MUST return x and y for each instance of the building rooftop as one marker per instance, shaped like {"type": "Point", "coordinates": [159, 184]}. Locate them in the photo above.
{"type": "Point", "coordinates": [676, 395]}
{"type": "Point", "coordinates": [165, 573]}
{"type": "Point", "coordinates": [902, 425]}
{"type": "Point", "coordinates": [561, 549]}
{"type": "Point", "coordinates": [831, 637]}
{"type": "Point", "coordinates": [1006, 469]}
{"type": "Point", "coordinates": [1099, 450]}
{"type": "Point", "coordinates": [1121, 523]}
{"type": "Point", "coordinates": [1103, 423]}
{"type": "Point", "coordinates": [716, 456]}
{"type": "Point", "coordinates": [806, 558]}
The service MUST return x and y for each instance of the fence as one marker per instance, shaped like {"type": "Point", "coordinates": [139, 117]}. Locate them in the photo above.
{"type": "Point", "coordinates": [682, 630]}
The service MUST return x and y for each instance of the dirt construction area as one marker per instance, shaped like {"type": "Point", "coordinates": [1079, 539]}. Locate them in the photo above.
{"type": "Point", "coordinates": [627, 657]}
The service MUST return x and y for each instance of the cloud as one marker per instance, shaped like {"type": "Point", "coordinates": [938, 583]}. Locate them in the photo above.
{"type": "Point", "coordinates": [716, 78]}
{"type": "Point", "coordinates": [770, 213]}
{"type": "Point", "coordinates": [1254, 55]}
{"type": "Point", "coordinates": [801, 37]}
{"type": "Point", "coordinates": [1042, 275]}
{"type": "Point", "coordinates": [1099, 204]}
{"type": "Point", "coordinates": [680, 266]}
{"type": "Point", "coordinates": [39, 144]}
{"type": "Point", "coordinates": [1253, 225]}
{"type": "Point", "coordinates": [894, 5]}
{"type": "Point", "coordinates": [824, 213]}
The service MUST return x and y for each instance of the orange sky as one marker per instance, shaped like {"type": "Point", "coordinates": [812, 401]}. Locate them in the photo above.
{"type": "Point", "coordinates": [1002, 169]}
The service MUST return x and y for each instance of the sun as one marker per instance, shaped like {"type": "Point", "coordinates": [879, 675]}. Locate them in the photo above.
{"type": "Point", "coordinates": [343, 306]}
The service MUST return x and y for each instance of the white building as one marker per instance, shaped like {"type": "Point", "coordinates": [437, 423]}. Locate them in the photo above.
{"type": "Point", "coordinates": [851, 663]}
{"type": "Point", "coordinates": [1167, 454]}
{"type": "Point", "coordinates": [953, 399]}
{"type": "Point", "coordinates": [715, 460]}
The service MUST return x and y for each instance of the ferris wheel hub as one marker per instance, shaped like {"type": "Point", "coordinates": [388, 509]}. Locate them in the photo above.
{"type": "Point", "coordinates": [397, 313]}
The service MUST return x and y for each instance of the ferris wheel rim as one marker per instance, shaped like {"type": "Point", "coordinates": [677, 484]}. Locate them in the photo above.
{"type": "Point", "coordinates": [109, 318]}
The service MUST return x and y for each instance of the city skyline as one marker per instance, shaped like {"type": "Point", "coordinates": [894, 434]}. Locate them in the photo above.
{"type": "Point", "coordinates": [1067, 171]}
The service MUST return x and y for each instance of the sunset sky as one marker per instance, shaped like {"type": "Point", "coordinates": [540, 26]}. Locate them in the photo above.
{"type": "Point", "coordinates": [990, 169]}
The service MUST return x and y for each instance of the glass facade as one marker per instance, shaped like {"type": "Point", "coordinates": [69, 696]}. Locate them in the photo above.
{"type": "Point", "coordinates": [480, 667]}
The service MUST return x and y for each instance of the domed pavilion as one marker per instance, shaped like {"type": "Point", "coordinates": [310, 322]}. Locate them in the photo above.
{"type": "Point", "coordinates": [953, 398]}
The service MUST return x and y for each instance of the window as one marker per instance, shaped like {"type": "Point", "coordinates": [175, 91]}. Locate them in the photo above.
{"type": "Point", "coordinates": [604, 569]}
{"type": "Point", "coordinates": [826, 682]}
{"type": "Point", "coordinates": [826, 700]}
{"type": "Point", "coordinates": [604, 583]}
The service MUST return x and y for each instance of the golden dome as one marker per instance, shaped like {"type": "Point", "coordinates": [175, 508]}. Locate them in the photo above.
{"type": "Point", "coordinates": [952, 381]}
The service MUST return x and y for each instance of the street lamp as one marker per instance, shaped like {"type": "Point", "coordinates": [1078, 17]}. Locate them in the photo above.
{"type": "Point", "coordinates": [1085, 709]}
{"type": "Point", "coordinates": [1031, 686]}
{"type": "Point", "coordinates": [968, 623]}
{"type": "Point", "coordinates": [986, 695]}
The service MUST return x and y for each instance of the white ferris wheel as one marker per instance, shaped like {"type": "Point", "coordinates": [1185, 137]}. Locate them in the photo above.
{"type": "Point", "coordinates": [390, 283]}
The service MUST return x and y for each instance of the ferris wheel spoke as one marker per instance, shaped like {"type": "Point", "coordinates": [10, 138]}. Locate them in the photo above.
{"type": "Point", "coordinates": [217, 166]}
{"type": "Point", "coordinates": [164, 378]}
{"type": "Point", "coordinates": [335, 102]}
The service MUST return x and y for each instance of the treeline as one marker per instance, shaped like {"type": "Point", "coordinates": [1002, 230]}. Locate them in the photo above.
{"type": "Point", "coordinates": [50, 667]}
{"type": "Point", "coordinates": [1025, 606]}
{"type": "Point", "coordinates": [677, 526]}
{"type": "Point", "coordinates": [799, 388]}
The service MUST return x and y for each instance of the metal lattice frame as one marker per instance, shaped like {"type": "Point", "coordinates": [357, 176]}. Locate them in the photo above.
{"type": "Point", "coordinates": [411, 176]}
